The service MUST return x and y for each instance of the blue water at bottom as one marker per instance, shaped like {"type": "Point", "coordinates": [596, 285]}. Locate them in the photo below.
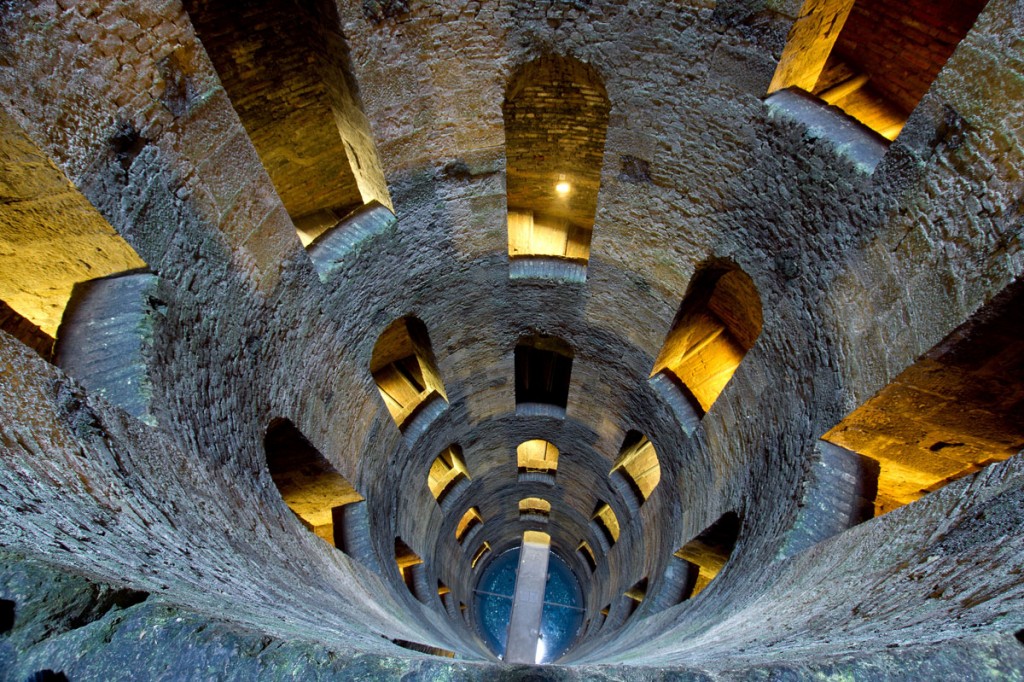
{"type": "Point", "coordinates": [560, 620]}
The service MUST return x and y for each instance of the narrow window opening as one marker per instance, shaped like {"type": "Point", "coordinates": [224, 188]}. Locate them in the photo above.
{"type": "Point", "coordinates": [423, 648]}
{"type": "Point", "coordinates": [7, 609]}
{"type": "Point", "coordinates": [405, 371]}
{"type": "Point", "coordinates": [717, 324]}
{"type": "Point", "coordinates": [538, 461]}
{"type": "Point", "coordinates": [470, 520]}
{"type": "Point", "coordinates": [636, 472]}
{"type": "Point", "coordinates": [543, 369]}
{"type": "Point", "coordinates": [479, 554]}
{"type": "Point", "coordinates": [447, 475]}
{"type": "Point", "coordinates": [534, 509]}
{"type": "Point", "coordinates": [606, 525]}
{"type": "Point", "coordinates": [711, 550]}
{"type": "Point", "coordinates": [873, 59]}
{"type": "Point", "coordinates": [950, 414]}
{"type": "Point", "coordinates": [307, 482]}
{"type": "Point", "coordinates": [410, 568]}
{"type": "Point", "coordinates": [556, 116]}
{"type": "Point", "coordinates": [587, 554]}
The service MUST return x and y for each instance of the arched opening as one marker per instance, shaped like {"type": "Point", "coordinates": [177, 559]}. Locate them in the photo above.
{"type": "Point", "coordinates": [534, 509]}
{"type": "Point", "coordinates": [543, 369]}
{"type": "Point", "coordinates": [950, 414]}
{"type": "Point", "coordinates": [636, 472]}
{"type": "Point", "coordinates": [605, 525]}
{"type": "Point", "coordinates": [711, 550]}
{"type": "Point", "coordinates": [448, 475]}
{"type": "Point", "coordinates": [285, 67]}
{"type": "Point", "coordinates": [52, 239]}
{"type": "Point", "coordinates": [405, 372]}
{"type": "Point", "coordinates": [874, 59]}
{"type": "Point", "coordinates": [538, 461]}
{"type": "Point", "coordinates": [470, 521]}
{"type": "Point", "coordinates": [556, 116]}
{"type": "Point", "coordinates": [411, 570]}
{"type": "Point", "coordinates": [586, 553]}
{"type": "Point", "coordinates": [635, 596]}
{"type": "Point", "coordinates": [310, 486]}
{"type": "Point", "coordinates": [479, 554]}
{"type": "Point", "coordinates": [444, 593]}
{"type": "Point", "coordinates": [717, 324]}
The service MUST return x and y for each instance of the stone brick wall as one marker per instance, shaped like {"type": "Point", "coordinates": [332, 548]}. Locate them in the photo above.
{"type": "Point", "coordinates": [266, 56]}
{"type": "Point", "coordinates": [858, 274]}
{"type": "Point", "coordinates": [903, 44]}
{"type": "Point", "coordinates": [556, 113]}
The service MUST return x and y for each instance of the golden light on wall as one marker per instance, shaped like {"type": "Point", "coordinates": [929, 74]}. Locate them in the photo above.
{"type": "Point", "coordinates": [718, 322]}
{"type": "Point", "coordinates": [51, 237]}
{"type": "Point", "coordinates": [307, 482]}
{"type": "Point", "coordinates": [950, 414]}
{"type": "Point", "coordinates": [404, 369]}
{"type": "Point", "coordinates": [562, 187]}
{"type": "Point", "coordinates": [638, 464]}
{"type": "Point", "coordinates": [471, 518]}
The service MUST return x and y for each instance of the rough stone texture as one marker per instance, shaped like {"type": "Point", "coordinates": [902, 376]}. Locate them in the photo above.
{"type": "Point", "coordinates": [105, 339]}
{"type": "Point", "coordinates": [50, 236]}
{"type": "Point", "coordinates": [903, 44]}
{"type": "Point", "coordinates": [26, 332]}
{"type": "Point", "coordinates": [858, 273]}
{"type": "Point", "coordinates": [265, 54]}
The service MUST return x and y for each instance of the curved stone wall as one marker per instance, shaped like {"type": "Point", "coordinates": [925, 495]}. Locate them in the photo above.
{"type": "Point", "coordinates": [858, 273]}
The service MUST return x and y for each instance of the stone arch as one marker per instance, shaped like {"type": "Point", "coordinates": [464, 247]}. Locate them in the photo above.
{"type": "Point", "coordinates": [543, 370]}
{"type": "Point", "coordinates": [448, 476]}
{"type": "Point", "coordinates": [556, 117]}
{"type": "Point", "coordinates": [717, 324]}
{"type": "Point", "coordinates": [405, 371]}
{"type": "Point", "coordinates": [537, 461]}
{"type": "Point", "coordinates": [307, 482]}
{"type": "Point", "coordinates": [636, 472]}
{"type": "Point", "coordinates": [874, 59]}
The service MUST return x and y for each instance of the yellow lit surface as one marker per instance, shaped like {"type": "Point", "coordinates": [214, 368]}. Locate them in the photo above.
{"type": "Point", "coordinates": [446, 468]}
{"type": "Point", "coordinates": [809, 43]}
{"type": "Point", "coordinates": [537, 455]}
{"type": "Point", "coordinates": [531, 234]}
{"type": "Point", "coordinates": [939, 420]}
{"type": "Point", "coordinates": [313, 494]}
{"type": "Point", "coordinates": [710, 339]}
{"type": "Point", "coordinates": [50, 235]}
{"type": "Point", "coordinates": [640, 462]}
{"type": "Point", "coordinates": [534, 504]}
{"type": "Point", "coordinates": [471, 516]}
{"type": "Point", "coordinates": [537, 537]}
{"type": "Point", "coordinates": [484, 549]}
{"type": "Point", "coordinates": [703, 578]}
{"type": "Point", "coordinates": [607, 517]}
